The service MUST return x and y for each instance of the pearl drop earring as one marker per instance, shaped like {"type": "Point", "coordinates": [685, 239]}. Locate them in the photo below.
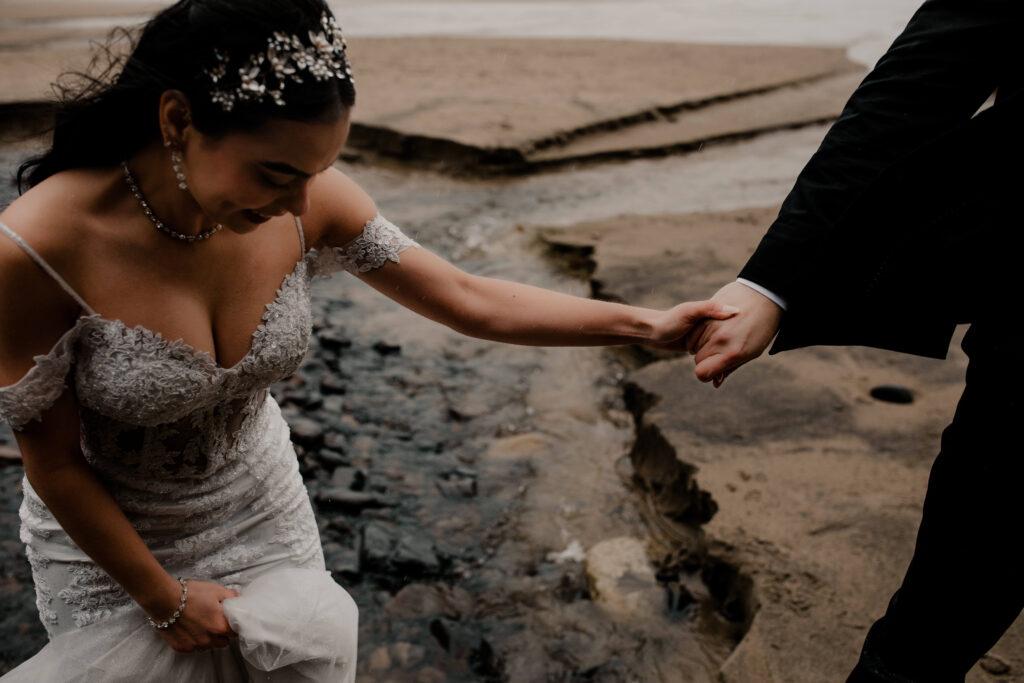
{"type": "Point", "coordinates": [178, 173]}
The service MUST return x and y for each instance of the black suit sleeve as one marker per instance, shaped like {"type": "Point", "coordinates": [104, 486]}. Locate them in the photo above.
{"type": "Point", "coordinates": [952, 55]}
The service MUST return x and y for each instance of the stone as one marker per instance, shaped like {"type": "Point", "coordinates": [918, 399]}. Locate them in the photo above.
{"type": "Point", "coordinates": [622, 579]}
{"type": "Point", "coordinates": [341, 525]}
{"type": "Point", "coordinates": [415, 553]}
{"type": "Point", "coordinates": [335, 496]}
{"type": "Point", "coordinates": [407, 655]}
{"type": "Point", "coordinates": [572, 553]}
{"type": "Point", "coordinates": [428, 600]}
{"type": "Point", "coordinates": [519, 447]}
{"type": "Point", "coordinates": [348, 478]}
{"type": "Point", "coordinates": [10, 454]}
{"type": "Point", "coordinates": [431, 675]}
{"type": "Point", "coordinates": [457, 487]}
{"type": "Point", "coordinates": [463, 642]}
{"type": "Point", "coordinates": [306, 432]}
{"type": "Point", "coordinates": [333, 384]}
{"type": "Point", "coordinates": [892, 393]}
{"type": "Point", "coordinates": [336, 442]}
{"type": "Point", "coordinates": [386, 349]}
{"type": "Point", "coordinates": [378, 542]}
{"type": "Point", "coordinates": [313, 365]}
{"type": "Point", "coordinates": [334, 339]}
{"type": "Point", "coordinates": [333, 404]}
{"type": "Point", "coordinates": [343, 562]}
{"type": "Point", "coordinates": [310, 400]}
{"type": "Point", "coordinates": [379, 659]}
{"type": "Point", "coordinates": [308, 465]}
{"type": "Point", "coordinates": [331, 459]}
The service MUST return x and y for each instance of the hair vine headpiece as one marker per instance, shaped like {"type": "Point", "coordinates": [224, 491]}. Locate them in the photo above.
{"type": "Point", "coordinates": [283, 60]}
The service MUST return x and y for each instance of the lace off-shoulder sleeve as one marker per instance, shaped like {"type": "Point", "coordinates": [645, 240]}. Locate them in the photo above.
{"type": "Point", "coordinates": [379, 242]}
{"type": "Point", "coordinates": [24, 401]}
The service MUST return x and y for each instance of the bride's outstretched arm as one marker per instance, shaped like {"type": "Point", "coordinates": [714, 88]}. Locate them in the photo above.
{"type": "Point", "coordinates": [516, 313]}
{"type": "Point", "coordinates": [483, 307]}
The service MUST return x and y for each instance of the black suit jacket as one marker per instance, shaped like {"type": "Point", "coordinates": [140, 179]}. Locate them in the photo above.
{"type": "Point", "coordinates": [901, 224]}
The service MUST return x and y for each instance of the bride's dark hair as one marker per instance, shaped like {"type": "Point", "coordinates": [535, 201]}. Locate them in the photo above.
{"type": "Point", "coordinates": [106, 117]}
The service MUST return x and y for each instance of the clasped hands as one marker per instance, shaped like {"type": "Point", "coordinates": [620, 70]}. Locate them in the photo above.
{"type": "Point", "coordinates": [733, 327]}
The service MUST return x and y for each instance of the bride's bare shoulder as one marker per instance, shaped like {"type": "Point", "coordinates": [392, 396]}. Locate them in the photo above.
{"type": "Point", "coordinates": [53, 219]}
{"type": "Point", "coordinates": [56, 216]}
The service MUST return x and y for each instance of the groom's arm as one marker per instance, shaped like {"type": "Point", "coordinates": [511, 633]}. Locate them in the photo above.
{"type": "Point", "coordinates": [948, 60]}
{"type": "Point", "coordinates": [939, 71]}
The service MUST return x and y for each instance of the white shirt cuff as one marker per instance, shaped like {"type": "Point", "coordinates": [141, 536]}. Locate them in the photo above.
{"type": "Point", "coordinates": [766, 292]}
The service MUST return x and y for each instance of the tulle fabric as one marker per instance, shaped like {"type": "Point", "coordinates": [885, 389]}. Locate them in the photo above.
{"type": "Point", "coordinates": [294, 626]}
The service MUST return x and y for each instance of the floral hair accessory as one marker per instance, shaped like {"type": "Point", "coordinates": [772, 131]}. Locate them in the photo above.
{"type": "Point", "coordinates": [267, 73]}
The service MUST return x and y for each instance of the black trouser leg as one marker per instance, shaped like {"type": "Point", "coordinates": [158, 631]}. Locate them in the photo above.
{"type": "Point", "coordinates": [964, 586]}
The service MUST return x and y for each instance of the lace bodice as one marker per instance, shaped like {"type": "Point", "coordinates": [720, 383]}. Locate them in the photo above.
{"type": "Point", "coordinates": [136, 376]}
{"type": "Point", "coordinates": [162, 422]}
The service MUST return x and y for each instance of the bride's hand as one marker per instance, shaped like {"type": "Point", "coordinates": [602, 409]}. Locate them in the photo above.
{"type": "Point", "coordinates": [671, 327]}
{"type": "Point", "coordinates": [202, 625]}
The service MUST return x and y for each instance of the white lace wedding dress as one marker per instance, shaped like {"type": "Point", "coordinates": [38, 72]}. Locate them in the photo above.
{"type": "Point", "coordinates": [199, 458]}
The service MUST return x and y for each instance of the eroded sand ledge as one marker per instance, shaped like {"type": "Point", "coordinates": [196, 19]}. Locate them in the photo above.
{"type": "Point", "coordinates": [818, 487]}
{"type": "Point", "coordinates": [476, 106]}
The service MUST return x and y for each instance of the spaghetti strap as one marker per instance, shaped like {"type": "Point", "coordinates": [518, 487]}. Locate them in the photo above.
{"type": "Point", "coordinates": [302, 235]}
{"type": "Point", "coordinates": [16, 238]}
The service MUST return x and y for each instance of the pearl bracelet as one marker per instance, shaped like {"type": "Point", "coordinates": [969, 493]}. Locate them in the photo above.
{"type": "Point", "coordinates": [164, 625]}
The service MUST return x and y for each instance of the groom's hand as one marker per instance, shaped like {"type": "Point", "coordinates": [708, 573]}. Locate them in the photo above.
{"type": "Point", "coordinates": [721, 346]}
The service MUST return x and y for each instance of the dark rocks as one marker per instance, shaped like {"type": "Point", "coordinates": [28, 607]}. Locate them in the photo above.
{"type": "Point", "coordinates": [308, 465]}
{"type": "Point", "coordinates": [333, 384]}
{"type": "Point", "coordinates": [457, 487]}
{"type": "Point", "coordinates": [333, 405]}
{"type": "Point", "coordinates": [892, 393]}
{"type": "Point", "coordinates": [338, 497]}
{"type": "Point", "coordinates": [313, 366]}
{"type": "Point", "coordinates": [9, 455]}
{"type": "Point", "coordinates": [310, 400]}
{"type": "Point", "coordinates": [428, 600]}
{"type": "Point", "coordinates": [342, 561]}
{"type": "Point", "coordinates": [463, 642]}
{"type": "Point", "coordinates": [415, 554]}
{"type": "Point", "coordinates": [335, 442]}
{"type": "Point", "coordinates": [378, 542]}
{"type": "Point", "coordinates": [306, 432]}
{"type": "Point", "coordinates": [391, 550]}
{"type": "Point", "coordinates": [349, 478]}
{"type": "Point", "coordinates": [331, 459]}
{"type": "Point", "coordinates": [334, 339]}
{"type": "Point", "coordinates": [385, 349]}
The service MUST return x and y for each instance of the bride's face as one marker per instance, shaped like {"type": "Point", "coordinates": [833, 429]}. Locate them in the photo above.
{"type": "Point", "coordinates": [244, 179]}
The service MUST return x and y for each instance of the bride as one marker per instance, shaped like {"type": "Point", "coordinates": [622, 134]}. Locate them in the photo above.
{"type": "Point", "coordinates": [154, 282]}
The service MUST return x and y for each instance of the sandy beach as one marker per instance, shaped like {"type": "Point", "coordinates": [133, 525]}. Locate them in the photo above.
{"type": "Point", "coordinates": [509, 514]}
